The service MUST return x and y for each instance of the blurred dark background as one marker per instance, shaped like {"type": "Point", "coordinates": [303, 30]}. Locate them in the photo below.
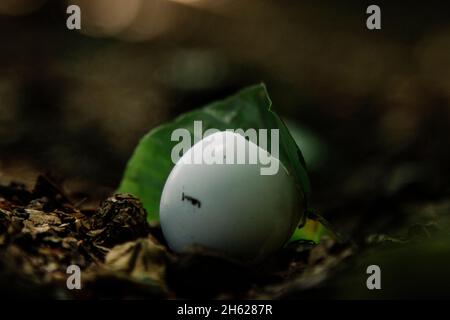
{"type": "Point", "coordinates": [370, 109]}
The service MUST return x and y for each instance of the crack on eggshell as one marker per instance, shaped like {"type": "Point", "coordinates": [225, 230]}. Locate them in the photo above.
{"type": "Point", "coordinates": [193, 201]}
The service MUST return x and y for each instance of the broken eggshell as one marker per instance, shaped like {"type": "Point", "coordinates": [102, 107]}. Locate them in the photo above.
{"type": "Point", "coordinates": [231, 208]}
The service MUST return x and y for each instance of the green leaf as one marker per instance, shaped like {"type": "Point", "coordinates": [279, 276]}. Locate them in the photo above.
{"type": "Point", "coordinates": [315, 227]}
{"type": "Point", "coordinates": [151, 163]}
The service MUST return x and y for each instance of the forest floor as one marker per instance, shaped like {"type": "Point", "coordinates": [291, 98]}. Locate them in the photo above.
{"type": "Point", "coordinates": [42, 233]}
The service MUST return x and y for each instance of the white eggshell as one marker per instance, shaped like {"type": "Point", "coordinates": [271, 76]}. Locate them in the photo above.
{"type": "Point", "coordinates": [231, 208]}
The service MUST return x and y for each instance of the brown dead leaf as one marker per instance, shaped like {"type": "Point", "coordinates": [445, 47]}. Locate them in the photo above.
{"type": "Point", "coordinates": [141, 259]}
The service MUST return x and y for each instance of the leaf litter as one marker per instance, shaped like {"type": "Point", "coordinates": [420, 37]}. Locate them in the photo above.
{"type": "Point", "coordinates": [121, 256]}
